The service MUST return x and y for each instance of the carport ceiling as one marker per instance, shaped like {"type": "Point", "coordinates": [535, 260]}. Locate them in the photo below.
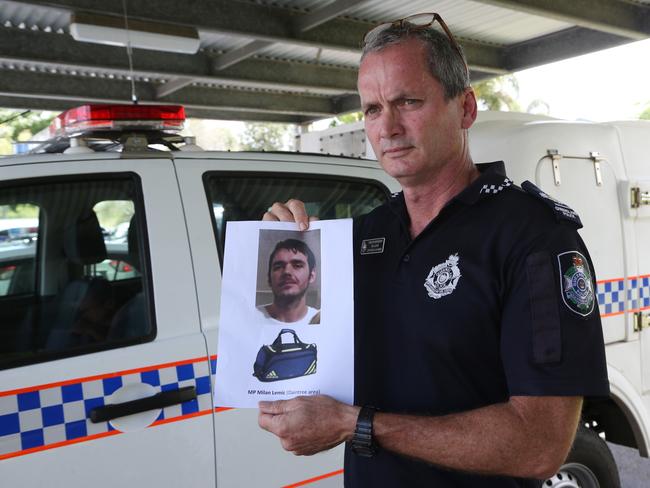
{"type": "Point", "coordinates": [285, 60]}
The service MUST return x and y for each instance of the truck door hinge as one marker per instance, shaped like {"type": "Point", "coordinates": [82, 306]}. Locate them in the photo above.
{"type": "Point", "coordinates": [641, 321]}
{"type": "Point", "coordinates": [596, 158]}
{"type": "Point", "coordinates": [639, 197]}
{"type": "Point", "coordinates": [555, 156]}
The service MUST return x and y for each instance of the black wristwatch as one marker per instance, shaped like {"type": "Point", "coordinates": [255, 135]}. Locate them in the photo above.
{"type": "Point", "coordinates": [362, 442]}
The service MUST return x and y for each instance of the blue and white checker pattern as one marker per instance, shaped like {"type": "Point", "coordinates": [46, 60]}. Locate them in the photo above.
{"type": "Point", "coordinates": [496, 188]}
{"type": "Point", "coordinates": [613, 298]}
{"type": "Point", "coordinates": [641, 283]}
{"type": "Point", "coordinates": [58, 414]}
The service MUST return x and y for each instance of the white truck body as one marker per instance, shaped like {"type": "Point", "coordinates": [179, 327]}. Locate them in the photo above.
{"type": "Point", "coordinates": [600, 170]}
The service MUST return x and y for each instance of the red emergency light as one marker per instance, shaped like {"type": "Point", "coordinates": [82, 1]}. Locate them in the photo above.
{"type": "Point", "coordinates": [95, 117]}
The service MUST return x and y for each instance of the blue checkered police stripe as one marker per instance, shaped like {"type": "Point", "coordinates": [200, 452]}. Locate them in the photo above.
{"type": "Point", "coordinates": [615, 299]}
{"type": "Point", "coordinates": [56, 414]}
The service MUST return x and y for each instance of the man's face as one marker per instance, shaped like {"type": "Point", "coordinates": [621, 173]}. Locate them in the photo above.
{"type": "Point", "coordinates": [289, 274]}
{"type": "Point", "coordinates": [412, 128]}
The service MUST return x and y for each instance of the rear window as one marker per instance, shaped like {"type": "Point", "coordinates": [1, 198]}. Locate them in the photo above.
{"type": "Point", "coordinates": [247, 196]}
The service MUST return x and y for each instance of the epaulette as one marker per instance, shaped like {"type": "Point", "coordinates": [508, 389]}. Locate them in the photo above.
{"type": "Point", "coordinates": [561, 211]}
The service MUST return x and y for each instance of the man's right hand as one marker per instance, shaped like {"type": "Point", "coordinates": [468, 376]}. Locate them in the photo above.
{"type": "Point", "coordinates": [291, 211]}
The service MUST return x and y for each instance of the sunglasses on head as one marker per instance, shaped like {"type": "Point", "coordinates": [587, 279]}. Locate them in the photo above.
{"type": "Point", "coordinates": [414, 23]}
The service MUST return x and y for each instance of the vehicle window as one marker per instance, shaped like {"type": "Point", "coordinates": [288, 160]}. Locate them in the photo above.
{"type": "Point", "coordinates": [114, 218]}
{"type": "Point", "coordinates": [18, 238]}
{"type": "Point", "coordinates": [248, 196]}
{"type": "Point", "coordinates": [74, 279]}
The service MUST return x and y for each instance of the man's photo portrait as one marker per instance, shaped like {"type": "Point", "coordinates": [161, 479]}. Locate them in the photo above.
{"type": "Point", "coordinates": [288, 277]}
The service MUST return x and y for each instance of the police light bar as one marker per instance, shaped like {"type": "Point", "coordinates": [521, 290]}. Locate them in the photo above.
{"type": "Point", "coordinates": [94, 117]}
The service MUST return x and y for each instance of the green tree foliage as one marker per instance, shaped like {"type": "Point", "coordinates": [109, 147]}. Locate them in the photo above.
{"type": "Point", "coordinates": [16, 125]}
{"type": "Point", "coordinates": [501, 94]}
{"type": "Point", "coordinates": [211, 136]}
{"type": "Point", "coordinates": [263, 136]}
{"type": "Point", "coordinates": [645, 115]}
{"type": "Point", "coordinates": [110, 213]}
{"type": "Point", "coordinates": [18, 211]}
{"type": "Point", "coordinates": [498, 93]}
{"type": "Point", "coordinates": [346, 119]}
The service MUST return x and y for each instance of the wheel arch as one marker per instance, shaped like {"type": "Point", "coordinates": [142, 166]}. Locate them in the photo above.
{"type": "Point", "coordinates": [623, 417]}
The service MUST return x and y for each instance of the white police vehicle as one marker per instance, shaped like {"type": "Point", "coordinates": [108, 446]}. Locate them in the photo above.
{"type": "Point", "coordinates": [108, 338]}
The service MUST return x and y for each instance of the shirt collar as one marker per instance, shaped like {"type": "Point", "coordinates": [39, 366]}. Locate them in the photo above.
{"type": "Point", "coordinates": [492, 179]}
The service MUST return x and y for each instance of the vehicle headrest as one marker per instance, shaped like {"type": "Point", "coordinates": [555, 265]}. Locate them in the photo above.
{"type": "Point", "coordinates": [83, 241]}
{"type": "Point", "coordinates": [133, 242]}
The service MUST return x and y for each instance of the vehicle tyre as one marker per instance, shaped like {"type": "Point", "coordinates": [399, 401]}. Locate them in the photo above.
{"type": "Point", "coordinates": [590, 464]}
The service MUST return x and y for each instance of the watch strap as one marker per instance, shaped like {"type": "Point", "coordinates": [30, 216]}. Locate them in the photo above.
{"type": "Point", "coordinates": [362, 442]}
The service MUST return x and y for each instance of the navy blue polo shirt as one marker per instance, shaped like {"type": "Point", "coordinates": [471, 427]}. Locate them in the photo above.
{"type": "Point", "coordinates": [495, 298]}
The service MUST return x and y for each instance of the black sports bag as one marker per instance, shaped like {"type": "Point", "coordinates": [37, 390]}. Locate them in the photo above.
{"type": "Point", "coordinates": [282, 361]}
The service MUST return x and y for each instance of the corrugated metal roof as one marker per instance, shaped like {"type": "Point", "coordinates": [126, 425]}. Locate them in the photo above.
{"type": "Point", "coordinates": [311, 55]}
{"type": "Point", "coordinates": [465, 18]}
{"type": "Point", "coordinates": [222, 42]}
{"type": "Point", "coordinates": [489, 32]}
{"type": "Point", "coordinates": [34, 16]}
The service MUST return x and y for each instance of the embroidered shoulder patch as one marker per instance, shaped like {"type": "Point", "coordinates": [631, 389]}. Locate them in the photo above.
{"type": "Point", "coordinates": [576, 283]}
{"type": "Point", "coordinates": [561, 210]}
{"type": "Point", "coordinates": [443, 278]}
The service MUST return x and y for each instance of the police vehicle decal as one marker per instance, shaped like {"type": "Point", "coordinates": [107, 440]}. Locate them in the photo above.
{"type": "Point", "coordinates": [56, 414]}
{"type": "Point", "coordinates": [576, 283]}
{"type": "Point", "coordinates": [612, 295]}
{"type": "Point", "coordinates": [443, 278]}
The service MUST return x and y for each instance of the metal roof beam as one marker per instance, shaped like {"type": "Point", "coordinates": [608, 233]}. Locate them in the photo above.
{"type": "Point", "coordinates": [236, 55]}
{"type": "Point", "coordinates": [614, 17]}
{"type": "Point", "coordinates": [18, 46]}
{"type": "Point", "coordinates": [16, 83]}
{"type": "Point", "coordinates": [325, 14]}
{"type": "Point", "coordinates": [557, 46]}
{"type": "Point", "coordinates": [301, 24]}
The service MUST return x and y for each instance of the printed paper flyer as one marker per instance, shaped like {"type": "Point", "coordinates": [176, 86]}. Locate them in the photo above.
{"type": "Point", "coordinates": [287, 318]}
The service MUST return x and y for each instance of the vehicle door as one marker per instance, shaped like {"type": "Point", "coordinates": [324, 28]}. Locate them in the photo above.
{"type": "Point", "coordinates": [588, 183]}
{"type": "Point", "coordinates": [104, 376]}
{"type": "Point", "coordinates": [640, 210]}
{"type": "Point", "coordinates": [216, 190]}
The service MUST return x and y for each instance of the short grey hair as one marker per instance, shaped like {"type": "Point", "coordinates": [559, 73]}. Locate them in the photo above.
{"type": "Point", "coordinates": [444, 61]}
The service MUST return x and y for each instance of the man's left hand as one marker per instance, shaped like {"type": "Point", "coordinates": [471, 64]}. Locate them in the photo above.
{"type": "Point", "coordinates": [309, 424]}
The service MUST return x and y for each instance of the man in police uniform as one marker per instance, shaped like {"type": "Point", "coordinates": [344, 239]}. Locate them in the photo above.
{"type": "Point", "coordinates": [477, 331]}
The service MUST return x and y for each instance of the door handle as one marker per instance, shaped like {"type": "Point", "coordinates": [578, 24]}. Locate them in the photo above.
{"type": "Point", "coordinates": [159, 400]}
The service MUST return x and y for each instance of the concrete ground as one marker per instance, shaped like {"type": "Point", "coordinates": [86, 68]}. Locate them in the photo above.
{"type": "Point", "coordinates": [633, 469]}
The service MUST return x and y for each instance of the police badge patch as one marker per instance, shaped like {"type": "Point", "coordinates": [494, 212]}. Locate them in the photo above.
{"type": "Point", "coordinates": [443, 278]}
{"type": "Point", "coordinates": [576, 283]}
